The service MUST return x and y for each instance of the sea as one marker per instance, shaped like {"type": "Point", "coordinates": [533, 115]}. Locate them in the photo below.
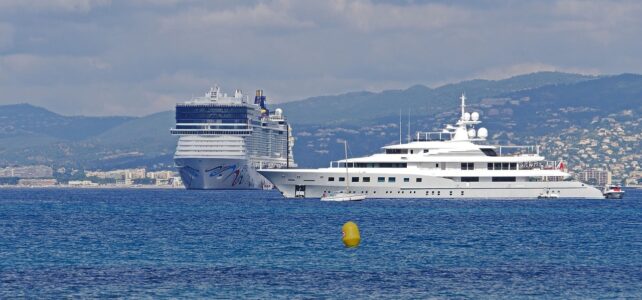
{"type": "Point", "coordinates": [145, 243]}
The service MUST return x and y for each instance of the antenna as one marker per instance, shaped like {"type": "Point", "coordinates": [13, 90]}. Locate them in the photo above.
{"type": "Point", "coordinates": [400, 126]}
{"type": "Point", "coordinates": [408, 124]}
{"type": "Point", "coordinates": [463, 104]}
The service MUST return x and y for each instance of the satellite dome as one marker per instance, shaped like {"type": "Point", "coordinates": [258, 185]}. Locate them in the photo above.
{"type": "Point", "coordinates": [278, 112]}
{"type": "Point", "coordinates": [482, 133]}
{"type": "Point", "coordinates": [467, 117]}
{"type": "Point", "coordinates": [471, 133]}
{"type": "Point", "coordinates": [474, 116]}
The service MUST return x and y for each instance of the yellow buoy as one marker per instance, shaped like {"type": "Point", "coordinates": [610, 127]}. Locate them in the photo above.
{"type": "Point", "coordinates": [351, 237]}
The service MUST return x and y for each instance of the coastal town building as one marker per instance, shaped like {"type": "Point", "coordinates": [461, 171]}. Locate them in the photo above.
{"type": "Point", "coordinates": [595, 177]}
{"type": "Point", "coordinates": [35, 171]}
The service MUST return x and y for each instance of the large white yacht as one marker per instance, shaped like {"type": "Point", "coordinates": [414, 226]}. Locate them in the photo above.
{"type": "Point", "coordinates": [224, 139]}
{"type": "Point", "coordinates": [456, 163]}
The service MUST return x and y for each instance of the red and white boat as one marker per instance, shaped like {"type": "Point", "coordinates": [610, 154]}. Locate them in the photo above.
{"type": "Point", "coordinates": [613, 192]}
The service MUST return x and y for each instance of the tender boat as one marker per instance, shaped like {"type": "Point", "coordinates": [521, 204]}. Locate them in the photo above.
{"type": "Point", "coordinates": [613, 192]}
{"type": "Point", "coordinates": [341, 196]}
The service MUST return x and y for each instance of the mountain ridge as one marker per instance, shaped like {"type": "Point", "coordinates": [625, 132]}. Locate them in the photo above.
{"type": "Point", "coordinates": [519, 109]}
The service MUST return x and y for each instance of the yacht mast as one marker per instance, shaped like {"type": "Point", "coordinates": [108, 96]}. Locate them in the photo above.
{"type": "Point", "coordinates": [345, 146]}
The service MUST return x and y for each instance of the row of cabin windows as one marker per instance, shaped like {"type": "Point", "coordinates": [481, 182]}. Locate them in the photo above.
{"type": "Point", "coordinates": [374, 165]}
{"type": "Point", "coordinates": [407, 179]}
{"type": "Point", "coordinates": [493, 179]}
{"type": "Point", "coordinates": [502, 166]}
{"type": "Point", "coordinates": [404, 151]}
{"type": "Point", "coordinates": [491, 166]}
{"type": "Point", "coordinates": [467, 166]}
{"type": "Point", "coordinates": [486, 151]}
{"type": "Point", "coordinates": [401, 192]}
{"type": "Point", "coordinates": [450, 193]}
{"type": "Point", "coordinates": [464, 166]}
{"type": "Point", "coordinates": [379, 179]}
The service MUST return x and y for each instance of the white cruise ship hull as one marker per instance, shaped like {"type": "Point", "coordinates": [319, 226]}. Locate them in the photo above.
{"type": "Point", "coordinates": [306, 184]}
{"type": "Point", "coordinates": [219, 174]}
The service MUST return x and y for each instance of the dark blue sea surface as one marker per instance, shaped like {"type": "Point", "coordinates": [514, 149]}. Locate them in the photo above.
{"type": "Point", "coordinates": [135, 243]}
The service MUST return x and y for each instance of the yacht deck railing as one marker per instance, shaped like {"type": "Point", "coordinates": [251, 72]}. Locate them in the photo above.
{"type": "Point", "coordinates": [514, 150]}
{"type": "Point", "coordinates": [433, 136]}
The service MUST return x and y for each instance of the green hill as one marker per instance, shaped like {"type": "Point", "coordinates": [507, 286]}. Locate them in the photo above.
{"type": "Point", "coordinates": [555, 110]}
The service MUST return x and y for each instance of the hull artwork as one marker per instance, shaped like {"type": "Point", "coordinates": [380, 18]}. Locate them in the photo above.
{"type": "Point", "coordinates": [218, 173]}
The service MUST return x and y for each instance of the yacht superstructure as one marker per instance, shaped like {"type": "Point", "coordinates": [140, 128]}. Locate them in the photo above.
{"type": "Point", "coordinates": [224, 139]}
{"type": "Point", "coordinates": [454, 163]}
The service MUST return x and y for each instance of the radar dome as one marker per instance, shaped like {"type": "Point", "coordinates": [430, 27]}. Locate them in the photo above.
{"type": "Point", "coordinates": [471, 133]}
{"type": "Point", "coordinates": [278, 112]}
{"type": "Point", "coordinates": [482, 133]}
{"type": "Point", "coordinates": [467, 117]}
{"type": "Point", "coordinates": [474, 116]}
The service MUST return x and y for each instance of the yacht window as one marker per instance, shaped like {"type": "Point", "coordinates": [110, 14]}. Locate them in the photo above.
{"type": "Point", "coordinates": [513, 166]}
{"type": "Point", "coordinates": [467, 166]}
{"type": "Point", "coordinates": [366, 179]}
{"type": "Point", "coordinates": [381, 179]}
{"type": "Point", "coordinates": [330, 178]}
{"type": "Point", "coordinates": [436, 165]}
{"type": "Point", "coordinates": [391, 179]}
{"type": "Point", "coordinates": [396, 151]}
{"type": "Point", "coordinates": [342, 179]}
{"type": "Point", "coordinates": [425, 150]}
{"type": "Point", "coordinates": [490, 166]}
{"type": "Point", "coordinates": [504, 179]}
{"type": "Point", "coordinates": [498, 166]}
{"type": "Point", "coordinates": [418, 179]}
{"type": "Point", "coordinates": [504, 166]}
{"type": "Point", "coordinates": [355, 179]}
{"type": "Point", "coordinates": [412, 151]}
{"type": "Point", "coordinates": [489, 152]}
{"type": "Point", "coordinates": [470, 179]}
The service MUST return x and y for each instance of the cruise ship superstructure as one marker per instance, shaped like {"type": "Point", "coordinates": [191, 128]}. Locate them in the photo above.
{"type": "Point", "coordinates": [224, 139]}
{"type": "Point", "coordinates": [456, 163]}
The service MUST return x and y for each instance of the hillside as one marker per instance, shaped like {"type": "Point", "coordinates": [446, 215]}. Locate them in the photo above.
{"type": "Point", "coordinates": [555, 110]}
{"type": "Point", "coordinates": [21, 120]}
{"type": "Point", "coordinates": [364, 107]}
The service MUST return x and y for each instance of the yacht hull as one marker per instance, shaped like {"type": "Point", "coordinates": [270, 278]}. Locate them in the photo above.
{"type": "Point", "coordinates": [219, 174]}
{"type": "Point", "coordinates": [314, 184]}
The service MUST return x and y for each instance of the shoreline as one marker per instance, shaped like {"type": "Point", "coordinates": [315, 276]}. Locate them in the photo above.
{"type": "Point", "coordinates": [160, 187]}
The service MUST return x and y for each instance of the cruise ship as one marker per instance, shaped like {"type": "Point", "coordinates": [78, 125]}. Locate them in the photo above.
{"type": "Point", "coordinates": [224, 139]}
{"type": "Point", "coordinates": [455, 163]}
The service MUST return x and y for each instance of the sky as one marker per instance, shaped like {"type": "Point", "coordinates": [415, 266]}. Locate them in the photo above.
{"type": "Point", "coordinates": [136, 57]}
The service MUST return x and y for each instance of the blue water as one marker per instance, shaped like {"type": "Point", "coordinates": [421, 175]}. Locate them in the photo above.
{"type": "Point", "coordinates": [253, 244]}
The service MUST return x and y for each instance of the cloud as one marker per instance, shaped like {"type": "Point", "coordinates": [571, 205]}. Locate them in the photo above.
{"type": "Point", "coordinates": [138, 57]}
{"type": "Point", "coordinates": [260, 16]}
{"type": "Point", "coordinates": [6, 35]}
{"type": "Point", "coordinates": [602, 21]}
{"type": "Point", "coordinates": [52, 5]}
{"type": "Point", "coordinates": [369, 16]}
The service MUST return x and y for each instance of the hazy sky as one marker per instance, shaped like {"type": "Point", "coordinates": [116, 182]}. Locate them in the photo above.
{"type": "Point", "coordinates": [134, 57]}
